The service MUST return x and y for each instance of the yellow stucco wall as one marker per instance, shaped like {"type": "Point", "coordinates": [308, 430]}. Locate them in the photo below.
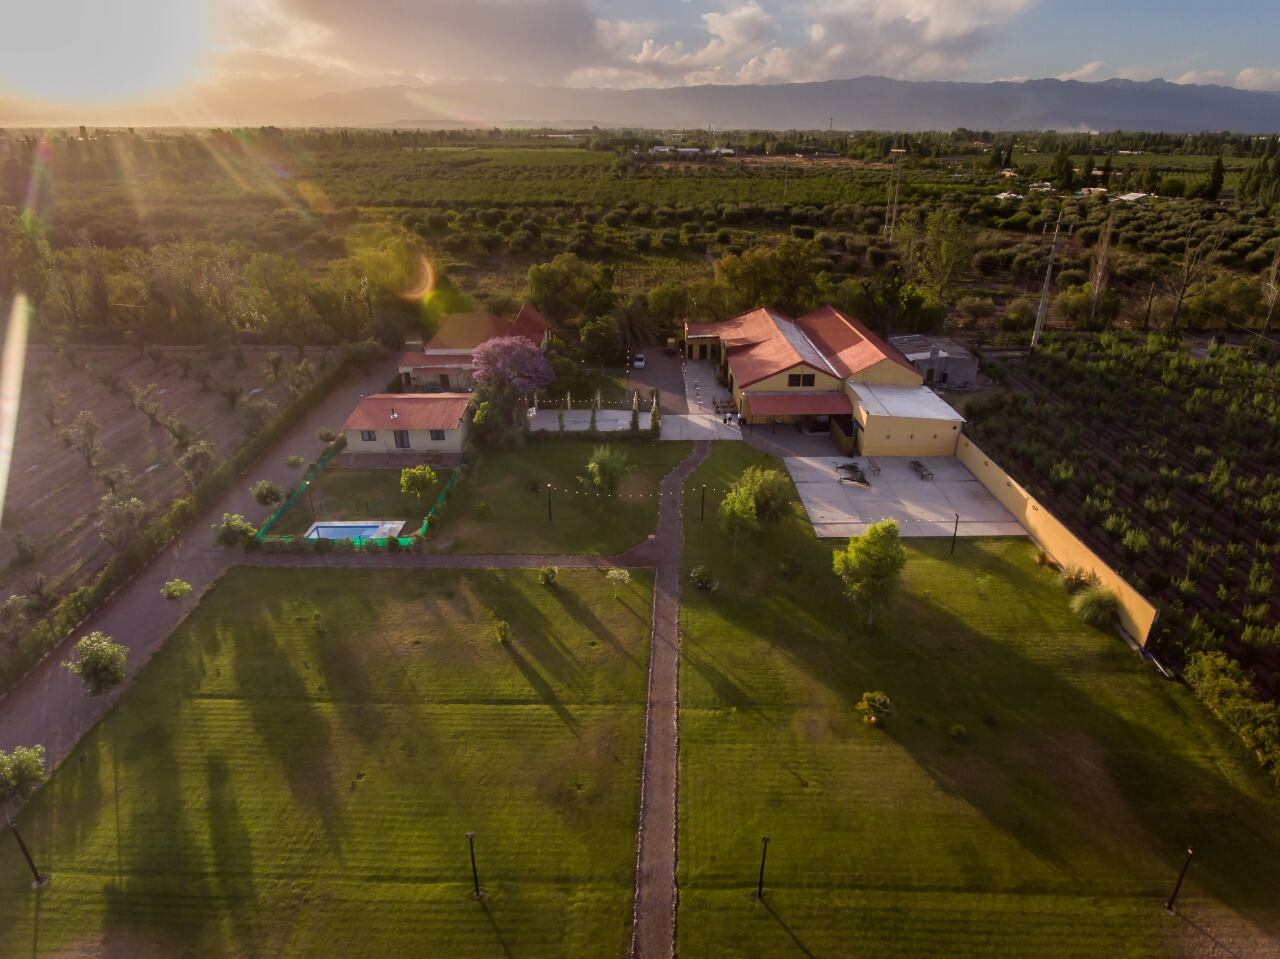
{"type": "Point", "coordinates": [889, 373]}
{"type": "Point", "coordinates": [901, 436]}
{"type": "Point", "coordinates": [822, 383]}
{"type": "Point", "coordinates": [1137, 615]}
{"type": "Point", "coordinates": [420, 441]}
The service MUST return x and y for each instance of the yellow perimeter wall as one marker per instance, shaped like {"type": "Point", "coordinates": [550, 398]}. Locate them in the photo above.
{"type": "Point", "coordinates": [1137, 615]}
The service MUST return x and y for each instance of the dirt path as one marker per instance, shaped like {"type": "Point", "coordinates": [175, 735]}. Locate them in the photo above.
{"type": "Point", "coordinates": [49, 706]}
{"type": "Point", "coordinates": [654, 925]}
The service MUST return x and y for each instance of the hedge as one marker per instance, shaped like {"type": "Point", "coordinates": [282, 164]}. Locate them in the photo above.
{"type": "Point", "coordinates": [78, 605]}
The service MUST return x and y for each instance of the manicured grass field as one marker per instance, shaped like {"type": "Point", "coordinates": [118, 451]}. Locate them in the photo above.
{"type": "Point", "coordinates": [359, 494]}
{"type": "Point", "coordinates": [513, 486]}
{"type": "Point", "coordinates": [295, 772]}
{"type": "Point", "coordinates": [1054, 826]}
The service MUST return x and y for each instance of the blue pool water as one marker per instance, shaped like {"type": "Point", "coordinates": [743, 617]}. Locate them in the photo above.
{"type": "Point", "coordinates": [343, 532]}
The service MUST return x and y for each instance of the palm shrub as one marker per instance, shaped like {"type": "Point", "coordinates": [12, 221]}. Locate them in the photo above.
{"type": "Point", "coordinates": [1116, 525]}
{"type": "Point", "coordinates": [875, 706]}
{"type": "Point", "coordinates": [1136, 542]}
{"type": "Point", "coordinates": [1095, 605]}
{"type": "Point", "coordinates": [1073, 579]}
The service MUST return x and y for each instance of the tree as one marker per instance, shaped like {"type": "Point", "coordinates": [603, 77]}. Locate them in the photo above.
{"type": "Point", "coordinates": [23, 256]}
{"type": "Point", "coordinates": [21, 772]}
{"type": "Point", "coordinates": [871, 565]}
{"type": "Point", "coordinates": [562, 287]}
{"type": "Point", "coordinates": [266, 493]}
{"type": "Point", "coordinates": [601, 339]}
{"type": "Point", "coordinates": [506, 368]}
{"type": "Point", "coordinates": [1271, 290]}
{"type": "Point", "coordinates": [1100, 268]}
{"type": "Point", "coordinates": [945, 252]}
{"type": "Point", "coordinates": [738, 513]}
{"type": "Point", "coordinates": [770, 491]}
{"type": "Point", "coordinates": [197, 461]}
{"type": "Point", "coordinates": [234, 530]}
{"type": "Point", "coordinates": [120, 519]}
{"type": "Point", "coordinates": [1217, 177]}
{"type": "Point", "coordinates": [175, 589]}
{"type": "Point", "coordinates": [418, 481]}
{"type": "Point", "coordinates": [606, 468]}
{"type": "Point", "coordinates": [14, 619]}
{"type": "Point", "coordinates": [99, 662]}
{"type": "Point", "coordinates": [1190, 268]}
{"type": "Point", "coordinates": [875, 707]}
{"type": "Point", "coordinates": [618, 579]}
{"type": "Point", "coordinates": [82, 436]}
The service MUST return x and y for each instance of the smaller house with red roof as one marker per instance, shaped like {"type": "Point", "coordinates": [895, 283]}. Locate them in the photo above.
{"type": "Point", "coordinates": [404, 423]}
{"type": "Point", "coordinates": [826, 370]}
{"type": "Point", "coordinates": [445, 362]}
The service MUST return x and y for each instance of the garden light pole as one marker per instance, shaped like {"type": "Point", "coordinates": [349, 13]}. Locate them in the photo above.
{"type": "Point", "coordinates": [764, 852]}
{"type": "Point", "coordinates": [548, 502]}
{"type": "Point", "coordinates": [37, 880]}
{"type": "Point", "coordinates": [475, 876]}
{"type": "Point", "coordinates": [1168, 905]}
{"type": "Point", "coordinates": [310, 502]}
{"type": "Point", "coordinates": [702, 513]}
{"type": "Point", "coordinates": [954, 533]}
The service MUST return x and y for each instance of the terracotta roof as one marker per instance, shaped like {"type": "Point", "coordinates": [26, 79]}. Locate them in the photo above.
{"type": "Point", "coordinates": [849, 345]}
{"type": "Point", "coordinates": [466, 331]}
{"type": "Point", "coordinates": [409, 411]}
{"type": "Point", "coordinates": [419, 361]}
{"type": "Point", "coordinates": [762, 343]}
{"type": "Point", "coordinates": [799, 404]}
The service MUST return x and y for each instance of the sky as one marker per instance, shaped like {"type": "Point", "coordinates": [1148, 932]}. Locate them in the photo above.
{"type": "Point", "coordinates": [91, 52]}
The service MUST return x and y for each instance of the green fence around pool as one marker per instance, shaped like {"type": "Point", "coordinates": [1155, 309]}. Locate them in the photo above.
{"type": "Point", "coordinates": [313, 474]}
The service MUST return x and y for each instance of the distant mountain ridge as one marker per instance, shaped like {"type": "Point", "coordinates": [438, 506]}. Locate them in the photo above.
{"type": "Point", "coordinates": [859, 103]}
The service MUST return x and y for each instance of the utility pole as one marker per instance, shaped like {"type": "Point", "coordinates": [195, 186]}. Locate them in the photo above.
{"type": "Point", "coordinates": [1048, 281]}
{"type": "Point", "coordinates": [764, 852]}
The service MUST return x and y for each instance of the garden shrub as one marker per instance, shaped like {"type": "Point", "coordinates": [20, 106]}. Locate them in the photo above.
{"type": "Point", "coordinates": [702, 578]}
{"type": "Point", "coordinates": [1095, 605]}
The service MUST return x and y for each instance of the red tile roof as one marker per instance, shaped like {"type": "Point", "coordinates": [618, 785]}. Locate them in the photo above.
{"type": "Point", "coordinates": [847, 344]}
{"type": "Point", "coordinates": [466, 331]}
{"type": "Point", "coordinates": [409, 411]}
{"type": "Point", "coordinates": [798, 404]}
{"type": "Point", "coordinates": [762, 343]}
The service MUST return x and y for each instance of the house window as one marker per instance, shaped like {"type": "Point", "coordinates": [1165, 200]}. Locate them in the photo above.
{"type": "Point", "coordinates": [368, 436]}
{"type": "Point", "coordinates": [928, 375]}
{"type": "Point", "coordinates": [942, 377]}
{"type": "Point", "coordinates": [402, 439]}
{"type": "Point", "coordinates": [807, 379]}
{"type": "Point", "coordinates": [444, 380]}
{"type": "Point", "coordinates": [437, 436]}
{"type": "Point", "coordinates": [793, 379]}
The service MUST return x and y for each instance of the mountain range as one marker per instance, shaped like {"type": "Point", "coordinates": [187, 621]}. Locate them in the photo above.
{"type": "Point", "coordinates": [859, 103]}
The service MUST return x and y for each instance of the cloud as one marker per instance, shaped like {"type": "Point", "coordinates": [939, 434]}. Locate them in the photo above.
{"type": "Point", "coordinates": [1086, 71]}
{"type": "Point", "coordinates": [1266, 79]}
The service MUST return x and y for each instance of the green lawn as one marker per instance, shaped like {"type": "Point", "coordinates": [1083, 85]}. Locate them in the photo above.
{"type": "Point", "coordinates": [358, 494]}
{"type": "Point", "coordinates": [513, 486]}
{"type": "Point", "coordinates": [1054, 828]}
{"type": "Point", "coordinates": [295, 772]}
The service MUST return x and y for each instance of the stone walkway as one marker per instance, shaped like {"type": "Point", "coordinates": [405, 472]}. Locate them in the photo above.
{"type": "Point", "coordinates": [654, 925]}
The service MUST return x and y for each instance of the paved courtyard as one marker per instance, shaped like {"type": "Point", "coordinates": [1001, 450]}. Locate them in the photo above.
{"type": "Point", "coordinates": [922, 507]}
{"type": "Point", "coordinates": [701, 422]}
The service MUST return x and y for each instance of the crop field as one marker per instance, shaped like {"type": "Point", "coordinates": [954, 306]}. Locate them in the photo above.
{"type": "Point", "coordinates": [295, 772]}
{"type": "Point", "coordinates": [1033, 792]}
{"type": "Point", "coordinates": [1165, 464]}
{"type": "Point", "coordinates": [500, 504]}
{"type": "Point", "coordinates": [53, 494]}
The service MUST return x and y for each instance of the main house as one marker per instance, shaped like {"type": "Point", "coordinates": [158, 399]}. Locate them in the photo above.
{"type": "Point", "coordinates": [445, 362]}
{"type": "Point", "coordinates": [827, 372]}
{"type": "Point", "coordinates": [404, 423]}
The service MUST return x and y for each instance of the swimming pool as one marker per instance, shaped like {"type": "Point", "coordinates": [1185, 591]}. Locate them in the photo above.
{"type": "Point", "coordinates": [354, 530]}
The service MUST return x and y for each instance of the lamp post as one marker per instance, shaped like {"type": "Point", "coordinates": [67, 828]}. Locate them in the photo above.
{"type": "Point", "coordinates": [954, 533]}
{"type": "Point", "coordinates": [37, 879]}
{"type": "Point", "coordinates": [702, 513]}
{"type": "Point", "coordinates": [311, 505]}
{"type": "Point", "coordinates": [548, 502]}
{"type": "Point", "coordinates": [764, 852]}
{"type": "Point", "coordinates": [1168, 904]}
{"type": "Point", "coordinates": [475, 876]}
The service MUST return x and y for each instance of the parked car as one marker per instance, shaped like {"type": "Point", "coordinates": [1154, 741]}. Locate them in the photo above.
{"type": "Point", "coordinates": [638, 361]}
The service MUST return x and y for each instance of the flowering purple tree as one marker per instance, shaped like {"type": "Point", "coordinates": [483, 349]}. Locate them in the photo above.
{"type": "Point", "coordinates": [509, 366]}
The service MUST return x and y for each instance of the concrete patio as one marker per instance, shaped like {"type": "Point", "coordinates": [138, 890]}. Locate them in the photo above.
{"type": "Point", "coordinates": [921, 507]}
{"type": "Point", "coordinates": [702, 422]}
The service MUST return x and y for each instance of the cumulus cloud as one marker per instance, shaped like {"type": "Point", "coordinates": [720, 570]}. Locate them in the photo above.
{"type": "Point", "coordinates": [1250, 78]}
{"type": "Point", "coordinates": [1086, 71]}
